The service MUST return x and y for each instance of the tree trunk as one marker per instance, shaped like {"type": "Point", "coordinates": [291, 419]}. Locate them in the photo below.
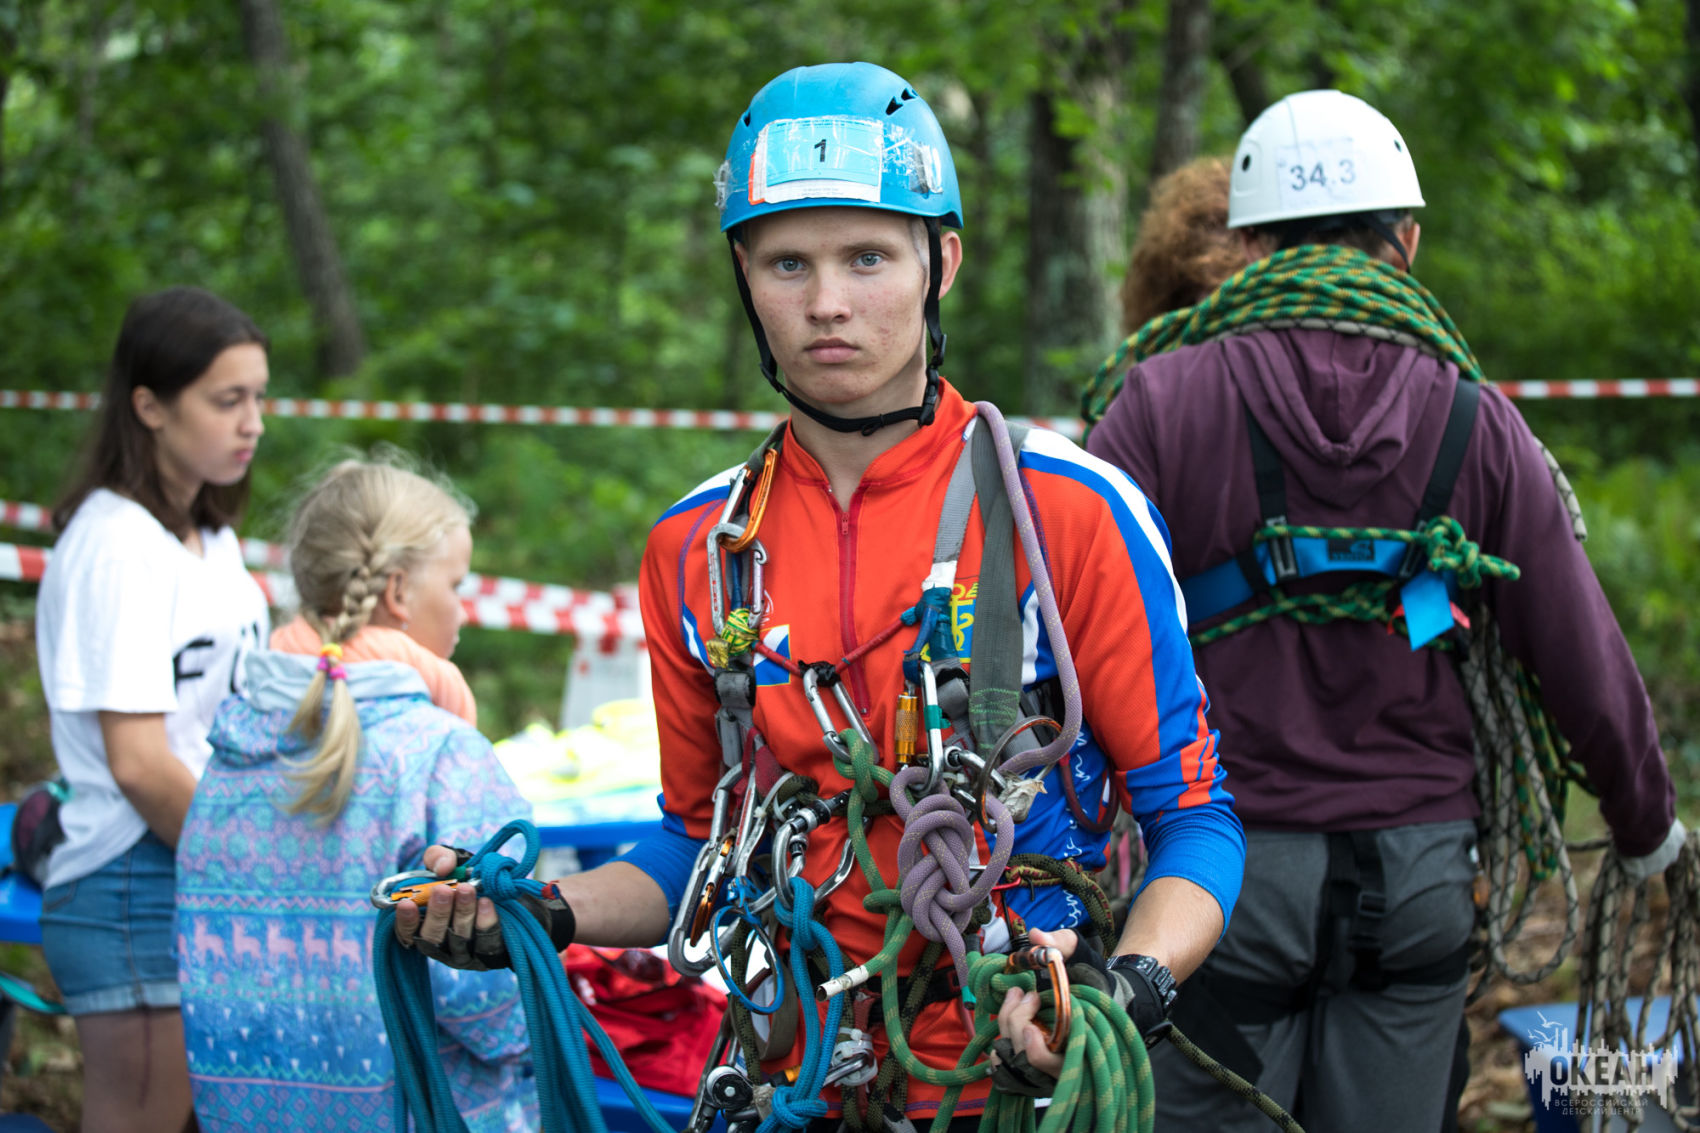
{"type": "Point", "coordinates": [1076, 239]}
{"type": "Point", "coordinates": [1691, 95]}
{"type": "Point", "coordinates": [1180, 101]}
{"type": "Point", "coordinates": [1245, 75]}
{"type": "Point", "coordinates": [341, 343]}
{"type": "Point", "coordinates": [8, 55]}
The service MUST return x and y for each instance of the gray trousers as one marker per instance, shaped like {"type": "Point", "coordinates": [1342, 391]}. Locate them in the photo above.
{"type": "Point", "coordinates": [1354, 1060]}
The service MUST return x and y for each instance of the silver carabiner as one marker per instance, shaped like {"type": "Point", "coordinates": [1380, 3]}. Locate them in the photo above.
{"type": "Point", "coordinates": [706, 874]}
{"type": "Point", "coordinates": [717, 590]}
{"type": "Point", "coordinates": [932, 714]}
{"type": "Point", "coordinates": [829, 734]}
{"type": "Point", "coordinates": [751, 826]}
{"type": "Point", "coordinates": [846, 865]}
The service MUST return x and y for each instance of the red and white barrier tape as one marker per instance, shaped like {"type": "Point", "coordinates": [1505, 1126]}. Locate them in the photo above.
{"type": "Point", "coordinates": [1632, 388]}
{"type": "Point", "coordinates": [259, 553]}
{"type": "Point", "coordinates": [722, 419]}
{"type": "Point", "coordinates": [608, 627]}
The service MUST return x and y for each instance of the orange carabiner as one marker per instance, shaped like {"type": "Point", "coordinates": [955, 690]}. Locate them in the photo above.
{"type": "Point", "coordinates": [710, 888]}
{"type": "Point", "coordinates": [420, 892]}
{"type": "Point", "coordinates": [1043, 957]}
{"type": "Point", "coordinates": [758, 504]}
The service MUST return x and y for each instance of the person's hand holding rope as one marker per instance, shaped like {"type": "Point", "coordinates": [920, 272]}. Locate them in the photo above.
{"type": "Point", "coordinates": [1022, 1058]}
{"type": "Point", "coordinates": [461, 929]}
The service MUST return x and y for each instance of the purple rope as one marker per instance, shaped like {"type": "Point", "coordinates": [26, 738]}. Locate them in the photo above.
{"type": "Point", "coordinates": [1036, 566]}
{"type": "Point", "coordinates": [934, 884]}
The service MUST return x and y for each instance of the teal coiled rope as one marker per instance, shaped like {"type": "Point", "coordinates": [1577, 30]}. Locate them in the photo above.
{"type": "Point", "coordinates": [566, 1094]}
{"type": "Point", "coordinates": [794, 1106]}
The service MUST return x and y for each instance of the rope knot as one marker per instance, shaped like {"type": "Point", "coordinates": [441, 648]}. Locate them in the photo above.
{"type": "Point", "coordinates": [498, 877]}
{"type": "Point", "coordinates": [1448, 549]}
{"type": "Point", "coordinates": [934, 856]}
{"type": "Point", "coordinates": [739, 631]}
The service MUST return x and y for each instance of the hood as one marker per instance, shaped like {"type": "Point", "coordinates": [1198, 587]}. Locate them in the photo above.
{"type": "Point", "coordinates": [1337, 407]}
{"type": "Point", "coordinates": [278, 681]}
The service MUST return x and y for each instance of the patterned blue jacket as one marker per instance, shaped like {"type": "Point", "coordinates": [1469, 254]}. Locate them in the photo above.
{"type": "Point", "coordinates": [274, 927]}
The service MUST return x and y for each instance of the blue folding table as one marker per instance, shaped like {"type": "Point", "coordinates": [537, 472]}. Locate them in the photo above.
{"type": "Point", "coordinates": [20, 900]}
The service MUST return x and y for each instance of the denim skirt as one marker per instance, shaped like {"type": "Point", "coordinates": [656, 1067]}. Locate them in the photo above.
{"type": "Point", "coordinates": [107, 935]}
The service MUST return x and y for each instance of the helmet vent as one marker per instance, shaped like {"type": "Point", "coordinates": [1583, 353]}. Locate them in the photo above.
{"type": "Point", "coordinates": [896, 104]}
{"type": "Point", "coordinates": [746, 117]}
{"type": "Point", "coordinates": [1245, 163]}
{"type": "Point", "coordinates": [1397, 145]}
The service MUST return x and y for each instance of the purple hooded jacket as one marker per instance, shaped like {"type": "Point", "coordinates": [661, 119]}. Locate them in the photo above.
{"type": "Point", "coordinates": [1342, 726]}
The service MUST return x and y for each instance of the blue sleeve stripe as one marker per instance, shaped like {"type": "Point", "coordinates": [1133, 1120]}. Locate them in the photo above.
{"type": "Point", "coordinates": [1146, 539]}
{"type": "Point", "coordinates": [667, 857]}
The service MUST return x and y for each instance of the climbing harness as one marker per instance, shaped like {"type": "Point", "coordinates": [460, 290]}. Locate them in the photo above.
{"type": "Point", "coordinates": [555, 1019]}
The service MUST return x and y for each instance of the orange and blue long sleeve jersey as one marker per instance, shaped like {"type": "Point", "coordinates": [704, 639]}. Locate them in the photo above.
{"type": "Point", "coordinates": [838, 574]}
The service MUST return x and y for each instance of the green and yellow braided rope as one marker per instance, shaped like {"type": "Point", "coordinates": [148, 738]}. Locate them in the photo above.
{"type": "Point", "coordinates": [1337, 285]}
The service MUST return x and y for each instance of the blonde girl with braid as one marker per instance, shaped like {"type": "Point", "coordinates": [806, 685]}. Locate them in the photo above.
{"type": "Point", "coordinates": [353, 748]}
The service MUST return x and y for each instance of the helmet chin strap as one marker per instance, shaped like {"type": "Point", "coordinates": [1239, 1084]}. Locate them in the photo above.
{"type": "Point", "coordinates": [923, 413]}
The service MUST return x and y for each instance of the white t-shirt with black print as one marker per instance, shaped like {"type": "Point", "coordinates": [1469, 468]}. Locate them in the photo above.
{"type": "Point", "coordinates": [128, 619]}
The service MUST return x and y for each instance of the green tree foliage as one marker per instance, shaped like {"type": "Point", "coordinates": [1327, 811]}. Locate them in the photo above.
{"type": "Point", "coordinates": [521, 193]}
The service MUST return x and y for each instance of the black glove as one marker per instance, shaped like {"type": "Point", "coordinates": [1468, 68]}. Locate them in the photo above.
{"type": "Point", "coordinates": [485, 949]}
{"type": "Point", "coordinates": [1013, 1074]}
{"type": "Point", "coordinates": [1139, 984]}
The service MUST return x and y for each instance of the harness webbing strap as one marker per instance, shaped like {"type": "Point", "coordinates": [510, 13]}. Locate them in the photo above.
{"type": "Point", "coordinates": [994, 702]}
{"type": "Point", "coordinates": [1454, 441]}
{"type": "Point", "coordinates": [958, 504]}
{"type": "Point", "coordinates": [1266, 466]}
{"type": "Point", "coordinates": [1271, 478]}
{"type": "Point", "coordinates": [1368, 906]}
{"type": "Point", "coordinates": [1265, 564]}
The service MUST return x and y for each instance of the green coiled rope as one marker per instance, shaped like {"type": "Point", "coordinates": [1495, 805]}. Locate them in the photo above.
{"type": "Point", "coordinates": [1325, 286]}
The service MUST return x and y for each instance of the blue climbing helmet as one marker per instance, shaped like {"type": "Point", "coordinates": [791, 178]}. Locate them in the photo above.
{"type": "Point", "coordinates": [842, 135]}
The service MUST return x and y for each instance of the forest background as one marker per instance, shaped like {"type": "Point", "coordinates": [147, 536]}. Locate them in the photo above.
{"type": "Point", "coordinates": [511, 201]}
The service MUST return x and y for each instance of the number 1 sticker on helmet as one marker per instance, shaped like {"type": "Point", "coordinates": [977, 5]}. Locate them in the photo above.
{"type": "Point", "coordinates": [798, 158]}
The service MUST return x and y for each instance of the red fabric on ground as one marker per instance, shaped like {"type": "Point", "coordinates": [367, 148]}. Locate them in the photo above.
{"type": "Point", "coordinates": [662, 1023]}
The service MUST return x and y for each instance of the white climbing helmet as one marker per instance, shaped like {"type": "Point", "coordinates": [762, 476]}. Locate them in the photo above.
{"type": "Point", "coordinates": [1320, 153]}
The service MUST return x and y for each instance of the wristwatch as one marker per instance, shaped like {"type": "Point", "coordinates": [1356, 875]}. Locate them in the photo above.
{"type": "Point", "coordinates": [1156, 976]}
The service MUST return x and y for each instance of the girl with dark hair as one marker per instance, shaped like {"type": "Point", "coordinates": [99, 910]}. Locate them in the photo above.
{"type": "Point", "coordinates": [141, 621]}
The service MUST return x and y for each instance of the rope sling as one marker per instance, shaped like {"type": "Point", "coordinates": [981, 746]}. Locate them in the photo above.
{"type": "Point", "coordinates": [1523, 764]}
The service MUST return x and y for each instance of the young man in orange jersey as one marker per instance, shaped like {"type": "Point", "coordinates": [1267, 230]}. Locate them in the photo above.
{"type": "Point", "coordinates": [839, 196]}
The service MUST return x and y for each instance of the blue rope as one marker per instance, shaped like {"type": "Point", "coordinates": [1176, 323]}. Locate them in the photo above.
{"type": "Point", "coordinates": [794, 1106]}
{"type": "Point", "coordinates": [732, 987]}
{"type": "Point", "coordinates": [566, 1092]}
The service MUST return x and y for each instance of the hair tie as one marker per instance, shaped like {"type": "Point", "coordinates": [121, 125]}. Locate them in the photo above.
{"type": "Point", "coordinates": [330, 662]}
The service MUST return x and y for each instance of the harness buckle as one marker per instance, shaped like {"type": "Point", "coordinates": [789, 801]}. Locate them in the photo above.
{"type": "Point", "coordinates": [1414, 562]}
{"type": "Point", "coordinates": [1282, 558]}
